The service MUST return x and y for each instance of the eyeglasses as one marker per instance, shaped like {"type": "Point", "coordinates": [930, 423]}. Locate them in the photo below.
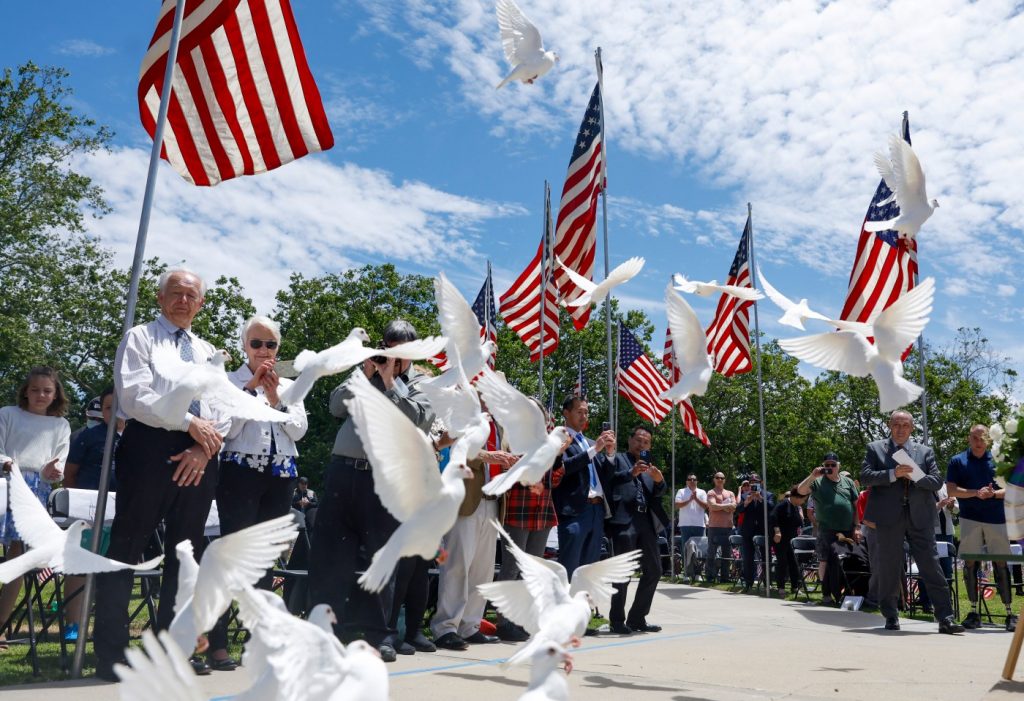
{"type": "Point", "coordinates": [831, 464]}
{"type": "Point", "coordinates": [256, 344]}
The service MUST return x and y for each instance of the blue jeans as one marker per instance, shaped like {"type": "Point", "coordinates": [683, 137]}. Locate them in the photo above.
{"type": "Point", "coordinates": [687, 532]}
{"type": "Point", "coordinates": [718, 538]}
{"type": "Point", "coordinates": [579, 539]}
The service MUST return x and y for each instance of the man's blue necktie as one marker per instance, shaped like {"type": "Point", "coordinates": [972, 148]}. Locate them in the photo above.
{"type": "Point", "coordinates": [582, 440]}
{"type": "Point", "coordinates": [184, 343]}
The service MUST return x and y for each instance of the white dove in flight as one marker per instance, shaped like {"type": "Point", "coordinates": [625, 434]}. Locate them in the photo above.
{"type": "Point", "coordinates": [313, 365]}
{"type": "Point", "coordinates": [547, 683]}
{"type": "Point", "coordinates": [526, 431]}
{"type": "Point", "coordinates": [458, 408]}
{"type": "Point", "coordinates": [406, 478]}
{"type": "Point", "coordinates": [208, 381]}
{"type": "Point", "coordinates": [546, 605]}
{"type": "Point", "coordinates": [706, 289]}
{"type": "Point", "coordinates": [49, 545]}
{"type": "Point", "coordinates": [595, 293]}
{"type": "Point", "coordinates": [158, 672]}
{"type": "Point", "coordinates": [850, 352]}
{"type": "Point", "coordinates": [205, 590]}
{"type": "Point", "coordinates": [690, 344]}
{"type": "Point", "coordinates": [795, 313]}
{"type": "Point", "coordinates": [524, 49]}
{"type": "Point", "coordinates": [902, 173]}
{"type": "Point", "coordinates": [462, 329]}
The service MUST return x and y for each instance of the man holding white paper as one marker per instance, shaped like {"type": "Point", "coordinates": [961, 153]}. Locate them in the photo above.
{"type": "Point", "coordinates": [902, 507]}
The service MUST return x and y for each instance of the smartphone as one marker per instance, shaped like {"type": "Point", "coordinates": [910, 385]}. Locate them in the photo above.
{"type": "Point", "coordinates": [827, 470]}
{"type": "Point", "coordinates": [606, 426]}
{"type": "Point", "coordinates": [645, 455]}
{"type": "Point", "coordinates": [755, 488]}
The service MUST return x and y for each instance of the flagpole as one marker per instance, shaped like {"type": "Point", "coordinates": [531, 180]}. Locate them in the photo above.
{"type": "Point", "coordinates": [543, 285]}
{"type": "Point", "coordinates": [129, 321]}
{"type": "Point", "coordinates": [921, 351]}
{"type": "Point", "coordinates": [604, 221]}
{"type": "Point", "coordinates": [672, 492]}
{"type": "Point", "coordinates": [766, 563]}
{"type": "Point", "coordinates": [488, 310]}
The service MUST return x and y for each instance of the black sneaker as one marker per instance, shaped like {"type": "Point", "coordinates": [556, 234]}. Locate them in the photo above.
{"type": "Point", "coordinates": [512, 633]}
{"type": "Point", "coordinates": [1011, 622]}
{"type": "Point", "coordinates": [972, 621]}
{"type": "Point", "coordinates": [387, 652]}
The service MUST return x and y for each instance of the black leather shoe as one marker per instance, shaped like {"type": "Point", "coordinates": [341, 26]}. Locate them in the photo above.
{"type": "Point", "coordinates": [387, 652]}
{"type": "Point", "coordinates": [645, 627]}
{"type": "Point", "coordinates": [972, 620]}
{"type": "Point", "coordinates": [892, 623]}
{"type": "Point", "coordinates": [199, 665]}
{"type": "Point", "coordinates": [225, 665]}
{"type": "Point", "coordinates": [451, 641]}
{"type": "Point", "coordinates": [421, 642]}
{"type": "Point", "coordinates": [591, 633]}
{"type": "Point", "coordinates": [512, 633]}
{"type": "Point", "coordinates": [107, 673]}
{"type": "Point", "coordinates": [404, 648]}
{"type": "Point", "coordinates": [1011, 623]}
{"type": "Point", "coordinates": [479, 638]}
{"type": "Point", "coordinates": [620, 628]}
{"type": "Point", "coordinates": [949, 626]}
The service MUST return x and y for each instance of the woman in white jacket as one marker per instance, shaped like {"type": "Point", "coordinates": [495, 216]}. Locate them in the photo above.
{"type": "Point", "coordinates": [258, 464]}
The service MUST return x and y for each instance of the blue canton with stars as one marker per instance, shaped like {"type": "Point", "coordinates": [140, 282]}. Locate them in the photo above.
{"type": "Point", "coordinates": [890, 210]}
{"type": "Point", "coordinates": [742, 252]}
{"type": "Point", "coordinates": [590, 127]}
{"type": "Point", "coordinates": [629, 348]}
{"type": "Point", "coordinates": [485, 297]}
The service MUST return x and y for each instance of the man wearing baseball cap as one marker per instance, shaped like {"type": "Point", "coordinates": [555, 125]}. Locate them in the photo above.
{"type": "Point", "coordinates": [835, 498]}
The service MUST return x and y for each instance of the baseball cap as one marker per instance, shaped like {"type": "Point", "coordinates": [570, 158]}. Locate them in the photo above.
{"type": "Point", "coordinates": [830, 457]}
{"type": "Point", "coordinates": [94, 409]}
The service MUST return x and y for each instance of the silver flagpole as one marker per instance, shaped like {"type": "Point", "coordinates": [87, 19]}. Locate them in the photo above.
{"type": "Point", "coordinates": [766, 564]}
{"type": "Point", "coordinates": [488, 295]}
{"type": "Point", "coordinates": [543, 285]}
{"type": "Point", "coordinates": [129, 321]}
{"type": "Point", "coordinates": [604, 221]}
{"type": "Point", "coordinates": [672, 526]}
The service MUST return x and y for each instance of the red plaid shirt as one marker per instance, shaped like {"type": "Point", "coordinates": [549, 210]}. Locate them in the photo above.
{"type": "Point", "coordinates": [534, 512]}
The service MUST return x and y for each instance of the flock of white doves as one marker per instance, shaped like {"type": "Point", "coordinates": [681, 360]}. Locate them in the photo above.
{"type": "Point", "coordinates": [290, 658]}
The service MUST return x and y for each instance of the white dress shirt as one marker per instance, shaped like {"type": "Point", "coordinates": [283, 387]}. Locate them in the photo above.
{"type": "Point", "coordinates": [253, 437]}
{"type": "Point", "coordinates": [139, 386]}
{"type": "Point", "coordinates": [598, 490]}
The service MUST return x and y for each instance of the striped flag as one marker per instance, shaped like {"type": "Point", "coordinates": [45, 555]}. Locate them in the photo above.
{"type": "Point", "coordinates": [580, 390]}
{"type": "Point", "coordinates": [729, 333]}
{"type": "Point", "coordinates": [243, 99]}
{"type": "Point", "coordinates": [575, 242]}
{"type": "Point", "coordinates": [691, 424]}
{"type": "Point", "coordinates": [885, 266]}
{"type": "Point", "coordinates": [639, 381]}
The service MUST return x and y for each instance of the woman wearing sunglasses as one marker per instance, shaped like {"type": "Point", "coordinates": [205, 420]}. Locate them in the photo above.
{"type": "Point", "coordinates": [258, 460]}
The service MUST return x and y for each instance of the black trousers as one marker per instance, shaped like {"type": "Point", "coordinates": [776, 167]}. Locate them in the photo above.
{"type": "Point", "coordinates": [246, 497]}
{"type": "Point", "coordinates": [785, 562]}
{"type": "Point", "coordinates": [351, 525]}
{"type": "Point", "coordinates": [638, 534]}
{"type": "Point", "coordinates": [891, 561]}
{"type": "Point", "coordinates": [411, 590]}
{"type": "Point", "coordinates": [145, 496]}
{"type": "Point", "coordinates": [749, 568]}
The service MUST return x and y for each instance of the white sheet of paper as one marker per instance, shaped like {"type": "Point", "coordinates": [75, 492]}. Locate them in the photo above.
{"type": "Point", "coordinates": [903, 458]}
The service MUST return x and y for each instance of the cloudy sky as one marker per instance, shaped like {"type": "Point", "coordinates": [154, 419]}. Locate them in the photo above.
{"type": "Point", "coordinates": [708, 106]}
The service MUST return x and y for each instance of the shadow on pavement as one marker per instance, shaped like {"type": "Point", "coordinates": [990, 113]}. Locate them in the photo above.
{"type": "Point", "coordinates": [607, 682]}
{"type": "Point", "coordinates": [843, 619]}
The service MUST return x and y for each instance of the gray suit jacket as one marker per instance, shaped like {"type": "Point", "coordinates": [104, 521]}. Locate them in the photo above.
{"type": "Point", "coordinates": [885, 503]}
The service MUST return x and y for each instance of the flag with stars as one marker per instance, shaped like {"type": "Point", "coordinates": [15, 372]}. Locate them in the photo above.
{"type": "Point", "coordinates": [691, 424]}
{"type": "Point", "coordinates": [486, 315]}
{"type": "Point", "coordinates": [639, 381]}
{"type": "Point", "coordinates": [580, 390]}
{"type": "Point", "coordinates": [729, 332]}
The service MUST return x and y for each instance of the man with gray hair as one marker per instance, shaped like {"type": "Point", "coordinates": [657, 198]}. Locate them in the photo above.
{"type": "Point", "coordinates": [903, 479]}
{"type": "Point", "coordinates": [352, 523]}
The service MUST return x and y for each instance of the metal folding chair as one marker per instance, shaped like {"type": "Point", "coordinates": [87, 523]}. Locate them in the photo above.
{"type": "Point", "coordinates": [806, 563]}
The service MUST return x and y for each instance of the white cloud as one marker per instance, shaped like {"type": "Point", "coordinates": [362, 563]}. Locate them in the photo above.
{"type": "Point", "coordinates": [1006, 290]}
{"type": "Point", "coordinates": [310, 217]}
{"type": "Point", "coordinates": [83, 48]}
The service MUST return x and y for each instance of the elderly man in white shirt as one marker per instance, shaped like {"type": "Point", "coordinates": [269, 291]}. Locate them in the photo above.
{"type": "Point", "coordinates": [166, 466]}
{"type": "Point", "coordinates": [692, 504]}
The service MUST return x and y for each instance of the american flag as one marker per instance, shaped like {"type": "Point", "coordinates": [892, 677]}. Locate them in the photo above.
{"type": "Point", "coordinates": [639, 381]}
{"type": "Point", "coordinates": [729, 333]}
{"type": "Point", "coordinates": [886, 265]}
{"type": "Point", "coordinates": [691, 424]}
{"type": "Point", "coordinates": [243, 100]}
{"type": "Point", "coordinates": [575, 242]}
{"type": "Point", "coordinates": [483, 307]}
{"type": "Point", "coordinates": [580, 390]}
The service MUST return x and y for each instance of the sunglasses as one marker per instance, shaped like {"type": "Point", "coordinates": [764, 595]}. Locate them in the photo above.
{"type": "Point", "coordinates": [831, 464]}
{"type": "Point", "coordinates": [691, 479]}
{"type": "Point", "coordinates": [719, 478]}
{"type": "Point", "coordinates": [256, 344]}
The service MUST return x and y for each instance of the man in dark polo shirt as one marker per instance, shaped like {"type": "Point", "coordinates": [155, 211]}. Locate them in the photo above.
{"type": "Point", "coordinates": [835, 504]}
{"type": "Point", "coordinates": [971, 478]}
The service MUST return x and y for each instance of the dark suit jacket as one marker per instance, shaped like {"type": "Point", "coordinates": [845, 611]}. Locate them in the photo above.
{"type": "Point", "coordinates": [621, 491]}
{"type": "Point", "coordinates": [885, 503]}
{"type": "Point", "coordinates": [570, 496]}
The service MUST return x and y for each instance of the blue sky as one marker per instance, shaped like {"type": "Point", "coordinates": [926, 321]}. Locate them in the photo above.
{"type": "Point", "coordinates": [708, 106]}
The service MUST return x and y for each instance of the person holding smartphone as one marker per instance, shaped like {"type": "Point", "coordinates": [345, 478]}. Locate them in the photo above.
{"type": "Point", "coordinates": [752, 508]}
{"type": "Point", "coordinates": [835, 502]}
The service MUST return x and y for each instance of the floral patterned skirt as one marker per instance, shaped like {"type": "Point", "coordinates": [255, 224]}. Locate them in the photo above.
{"type": "Point", "coordinates": [285, 466]}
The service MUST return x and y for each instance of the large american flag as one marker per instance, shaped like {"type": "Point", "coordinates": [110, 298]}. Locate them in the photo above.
{"type": "Point", "coordinates": [483, 308]}
{"type": "Point", "coordinates": [886, 265]}
{"type": "Point", "coordinates": [243, 100]}
{"type": "Point", "coordinates": [729, 332]}
{"type": "Point", "coordinates": [575, 243]}
{"type": "Point", "coordinates": [691, 424]}
{"type": "Point", "coordinates": [639, 381]}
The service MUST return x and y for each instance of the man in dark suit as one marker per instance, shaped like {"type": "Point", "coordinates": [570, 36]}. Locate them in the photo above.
{"type": "Point", "coordinates": [635, 488]}
{"type": "Point", "coordinates": [752, 507]}
{"type": "Point", "coordinates": [901, 506]}
{"type": "Point", "coordinates": [579, 497]}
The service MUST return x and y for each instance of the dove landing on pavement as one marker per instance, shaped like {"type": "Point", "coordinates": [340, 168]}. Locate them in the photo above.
{"type": "Point", "coordinates": [205, 590]}
{"type": "Point", "coordinates": [596, 293]}
{"type": "Point", "coordinates": [546, 605]}
{"type": "Point", "coordinates": [49, 545]}
{"type": "Point", "coordinates": [524, 49]}
{"type": "Point", "coordinates": [902, 174]}
{"type": "Point", "coordinates": [526, 432]}
{"type": "Point", "coordinates": [406, 479]}
{"type": "Point", "coordinates": [795, 313]}
{"type": "Point", "coordinates": [312, 365]}
{"type": "Point", "coordinates": [706, 289]}
{"type": "Point", "coordinates": [690, 344]}
{"type": "Point", "coordinates": [894, 330]}
{"type": "Point", "coordinates": [547, 682]}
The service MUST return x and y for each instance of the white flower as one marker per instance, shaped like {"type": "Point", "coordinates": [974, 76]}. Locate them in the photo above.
{"type": "Point", "coordinates": [1011, 426]}
{"type": "Point", "coordinates": [996, 431]}
{"type": "Point", "coordinates": [996, 448]}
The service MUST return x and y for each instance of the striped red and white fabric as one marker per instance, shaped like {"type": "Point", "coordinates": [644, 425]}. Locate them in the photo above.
{"type": "Point", "coordinates": [885, 266]}
{"type": "Point", "coordinates": [639, 381]}
{"type": "Point", "coordinates": [688, 415]}
{"type": "Point", "coordinates": [575, 243]}
{"type": "Point", "coordinates": [243, 100]}
{"type": "Point", "coordinates": [729, 332]}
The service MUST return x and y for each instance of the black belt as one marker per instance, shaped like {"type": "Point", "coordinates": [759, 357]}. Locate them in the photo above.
{"type": "Point", "coordinates": [357, 463]}
{"type": "Point", "coordinates": [595, 500]}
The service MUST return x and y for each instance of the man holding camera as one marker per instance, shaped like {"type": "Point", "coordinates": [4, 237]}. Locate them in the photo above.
{"type": "Point", "coordinates": [635, 488]}
{"type": "Point", "coordinates": [352, 524]}
{"type": "Point", "coordinates": [835, 500]}
{"type": "Point", "coordinates": [752, 508]}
